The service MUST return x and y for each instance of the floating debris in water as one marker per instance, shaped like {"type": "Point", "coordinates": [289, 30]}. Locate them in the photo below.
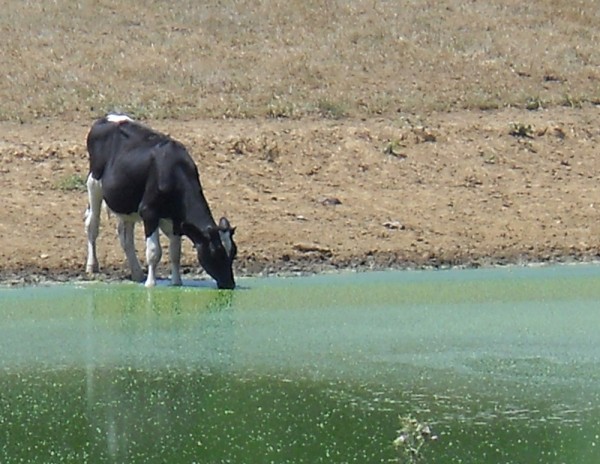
{"type": "Point", "coordinates": [411, 438]}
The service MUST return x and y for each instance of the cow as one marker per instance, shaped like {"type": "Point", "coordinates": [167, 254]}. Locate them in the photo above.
{"type": "Point", "coordinates": [143, 175]}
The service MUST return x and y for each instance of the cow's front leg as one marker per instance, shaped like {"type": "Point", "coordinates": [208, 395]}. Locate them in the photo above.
{"type": "Point", "coordinates": [174, 251]}
{"type": "Point", "coordinates": [92, 222]}
{"type": "Point", "coordinates": [153, 255]}
{"type": "Point", "coordinates": [126, 231]}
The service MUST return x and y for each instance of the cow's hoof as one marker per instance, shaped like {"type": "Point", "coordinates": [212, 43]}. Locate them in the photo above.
{"type": "Point", "coordinates": [137, 277]}
{"type": "Point", "coordinates": [92, 269]}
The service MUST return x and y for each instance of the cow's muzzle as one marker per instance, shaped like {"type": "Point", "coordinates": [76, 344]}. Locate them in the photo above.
{"type": "Point", "coordinates": [228, 285]}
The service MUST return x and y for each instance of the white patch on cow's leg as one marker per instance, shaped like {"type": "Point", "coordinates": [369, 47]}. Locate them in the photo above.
{"type": "Point", "coordinates": [92, 222]}
{"type": "Point", "coordinates": [153, 255]}
{"type": "Point", "coordinates": [174, 251]}
{"type": "Point", "coordinates": [126, 231]}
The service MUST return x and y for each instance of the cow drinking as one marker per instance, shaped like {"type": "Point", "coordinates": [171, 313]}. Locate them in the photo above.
{"type": "Point", "coordinates": [143, 175]}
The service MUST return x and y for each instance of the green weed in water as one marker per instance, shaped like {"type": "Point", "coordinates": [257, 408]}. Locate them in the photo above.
{"type": "Point", "coordinates": [411, 439]}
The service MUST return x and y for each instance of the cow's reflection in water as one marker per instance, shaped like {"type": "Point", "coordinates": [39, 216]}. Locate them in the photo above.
{"type": "Point", "coordinates": [153, 359]}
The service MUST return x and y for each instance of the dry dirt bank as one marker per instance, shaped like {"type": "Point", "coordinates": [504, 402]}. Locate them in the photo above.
{"type": "Point", "coordinates": [460, 188]}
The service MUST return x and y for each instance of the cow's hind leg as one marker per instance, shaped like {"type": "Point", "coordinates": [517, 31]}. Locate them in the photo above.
{"type": "Point", "coordinates": [174, 251]}
{"type": "Point", "coordinates": [153, 255]}
{"type": "Point", "coordinates": [126, 231]}
{"type": "Point", "coordinates": [92, 222]}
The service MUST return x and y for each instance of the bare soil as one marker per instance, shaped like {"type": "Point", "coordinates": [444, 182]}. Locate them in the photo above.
{"type": "Point", "coordinates": [468, 188]}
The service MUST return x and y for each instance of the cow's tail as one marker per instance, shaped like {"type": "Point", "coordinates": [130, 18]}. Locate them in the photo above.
{"type": "Point", "coordinates": [107, 210]}
{"type": "Point", "coordinates": [105, 207]}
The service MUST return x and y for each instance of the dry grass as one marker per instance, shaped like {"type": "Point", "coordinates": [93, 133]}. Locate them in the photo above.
{"type": "Point", "coordinates": [240, 58]}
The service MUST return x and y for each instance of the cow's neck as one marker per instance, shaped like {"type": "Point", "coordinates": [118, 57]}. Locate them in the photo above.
{"type": "Point", "coordinates": [197, 212]}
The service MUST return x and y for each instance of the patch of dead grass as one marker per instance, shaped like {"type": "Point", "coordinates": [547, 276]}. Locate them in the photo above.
{"type": "Point", "coordinates": [189, 59]}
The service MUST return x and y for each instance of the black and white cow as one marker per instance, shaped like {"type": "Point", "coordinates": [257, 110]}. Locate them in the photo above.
{"type": "Point", "coordinates": [143, 175]}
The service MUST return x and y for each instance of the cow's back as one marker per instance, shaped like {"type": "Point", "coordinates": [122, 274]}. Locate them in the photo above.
{"type": "Point", "coordinates": [130, 158]}
{"type": "Point", "coordinates": [107, 140]}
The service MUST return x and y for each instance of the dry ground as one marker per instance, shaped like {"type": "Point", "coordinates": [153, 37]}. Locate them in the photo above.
{"type": "Point", "coordinates": [333, 134]}
{"type": "Point", "coordinates": [312, 195]}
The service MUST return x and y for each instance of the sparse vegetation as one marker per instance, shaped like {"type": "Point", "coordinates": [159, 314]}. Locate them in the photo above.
{"type": "Point", "coordinates": [331, 110]}
{"type": "Point", "coordinates": [395, 148]}
{"type": "Point", "coordinates": [573, 102]}
{"type": "Point", "coordinates": [228, 59]}
{"type": "Point", "coordinates": [278, 108]}
{"type": "Point", "coordinates": [518, 129]}
{"type": "Point", "coordinates": [73, 182]}
{"type": "Point", "coordinates": [533, 103]}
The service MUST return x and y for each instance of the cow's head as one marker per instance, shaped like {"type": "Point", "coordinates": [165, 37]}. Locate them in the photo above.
{"type": "Point", "coordinates": [216, 252]}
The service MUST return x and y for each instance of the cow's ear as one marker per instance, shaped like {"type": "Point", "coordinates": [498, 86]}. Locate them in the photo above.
{"type": "Point", "coordinates": [224, 224]}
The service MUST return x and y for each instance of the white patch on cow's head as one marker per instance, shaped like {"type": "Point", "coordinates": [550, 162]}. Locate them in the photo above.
{"type": "Point", "coordinates": [225, 236]}
{"type": "Point", "coordinates": [118, 118]}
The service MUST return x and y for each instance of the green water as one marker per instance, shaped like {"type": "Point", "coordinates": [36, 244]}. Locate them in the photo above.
{"type": "Point", "coordinates": [504, 365]}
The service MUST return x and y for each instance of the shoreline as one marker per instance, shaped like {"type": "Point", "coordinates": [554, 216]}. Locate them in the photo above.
{"type": "Point", "coordinates": [31, 276]}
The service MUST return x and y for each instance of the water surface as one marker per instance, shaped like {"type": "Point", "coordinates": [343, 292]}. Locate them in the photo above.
{"type": "Point", "coordinates": [503, 363]}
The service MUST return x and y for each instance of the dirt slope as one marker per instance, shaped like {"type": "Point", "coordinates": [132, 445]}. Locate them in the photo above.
{"type": "Point", "coordinates": [460, 188]}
